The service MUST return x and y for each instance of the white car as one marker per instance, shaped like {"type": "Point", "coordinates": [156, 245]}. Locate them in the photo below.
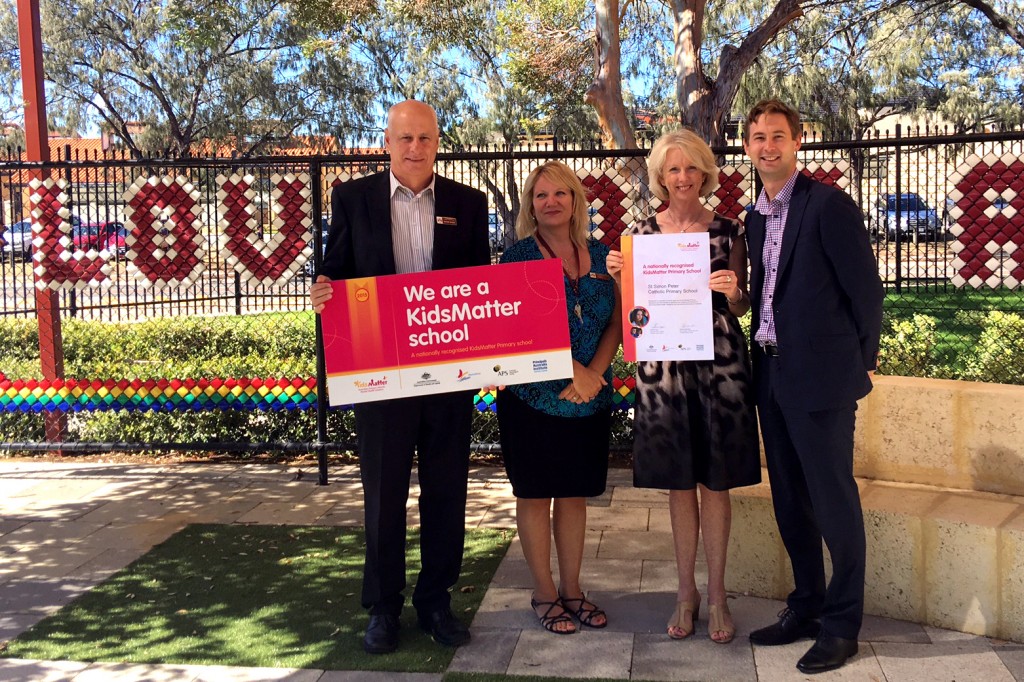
{"type": "Point", "coordinates": [16, 241]}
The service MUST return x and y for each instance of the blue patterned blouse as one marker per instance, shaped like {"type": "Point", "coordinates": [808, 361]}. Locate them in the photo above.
{"type": "Point", "coordinates": [597, 303]}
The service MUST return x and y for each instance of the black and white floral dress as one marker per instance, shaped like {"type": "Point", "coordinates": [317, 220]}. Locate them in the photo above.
{"type": "Point", "coordinates": [695, 420]}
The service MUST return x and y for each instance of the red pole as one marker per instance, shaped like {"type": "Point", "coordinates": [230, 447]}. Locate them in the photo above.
{"type": "Point", "coordinates": [37, 148]}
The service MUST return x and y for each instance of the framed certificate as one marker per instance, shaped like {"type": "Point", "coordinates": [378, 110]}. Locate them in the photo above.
{"type": "Point", "coordinates": [666, 299]}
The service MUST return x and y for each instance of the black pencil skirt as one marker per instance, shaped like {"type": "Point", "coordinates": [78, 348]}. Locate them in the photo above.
{"type": "Point", "coordinates": [548, 456]}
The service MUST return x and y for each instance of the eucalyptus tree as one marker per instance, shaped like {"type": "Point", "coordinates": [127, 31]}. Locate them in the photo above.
{"type": "Point", "coordinates": [852, 68]}
{"type": "Point", "coordinates": [980, 71]}
{"type": "Point", "coordinates": [163, 75]}
{"type": "Point", "coordinates": [713, 44]}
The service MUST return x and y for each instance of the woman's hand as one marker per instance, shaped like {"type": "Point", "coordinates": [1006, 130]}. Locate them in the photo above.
{"type": "Point", "coordinates": [725, 281]}
{"type": "Point", "coordinates": [586, 384]}
{"type": "Point", "coordinates": [613, 263]}
{"type": "Point", "coordinates": [320, 292]}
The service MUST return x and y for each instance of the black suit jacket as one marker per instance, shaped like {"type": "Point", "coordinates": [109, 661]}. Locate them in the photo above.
{"type": "Point", "coordinates": [359, 243]}
{"type": "Point", "coordinates": [827, 300]}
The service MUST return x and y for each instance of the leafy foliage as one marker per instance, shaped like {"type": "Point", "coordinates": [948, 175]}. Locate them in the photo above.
{"type": "Point", "coordinates": [255, 346]}
{"type": "Point", "coordinates": [165, 75]}
{"type": "Point", "coordinates": [907, 347]}
{"type": "Point", "coordinates": [850, 65]}
{"type": "Point", "coordinates": [1000, 352]}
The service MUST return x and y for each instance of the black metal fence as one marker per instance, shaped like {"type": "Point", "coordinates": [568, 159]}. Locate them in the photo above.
{"type": "Point", "coordinates": [175, 302]}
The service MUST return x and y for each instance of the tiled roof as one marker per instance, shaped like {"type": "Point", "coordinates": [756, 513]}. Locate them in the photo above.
{"type": "Point", "coordinates": [80, 147]}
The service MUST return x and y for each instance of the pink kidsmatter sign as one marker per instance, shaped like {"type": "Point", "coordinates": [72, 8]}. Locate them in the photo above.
{"type": "Point", "coordinates": [445, 330]}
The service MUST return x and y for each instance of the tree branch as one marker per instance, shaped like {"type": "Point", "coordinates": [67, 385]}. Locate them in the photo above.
{"type": "Point", "coordinates": [999, 21]}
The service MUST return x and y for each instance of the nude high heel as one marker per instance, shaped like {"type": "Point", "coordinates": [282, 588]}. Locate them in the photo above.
{"type": "Point", "coordinates": [683, 618]}
{"type": "Point", "coordinates": [717, 623]}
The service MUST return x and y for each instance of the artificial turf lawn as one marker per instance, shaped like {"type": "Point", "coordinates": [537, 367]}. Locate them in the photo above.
{"type": "Point", "coordinates": [275, 596]}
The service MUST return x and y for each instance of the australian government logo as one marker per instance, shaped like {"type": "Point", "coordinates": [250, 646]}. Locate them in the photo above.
{"type": "Point", "coordinates": [426, 379]}
{"type": "Point", "coordinates": [371, 385]}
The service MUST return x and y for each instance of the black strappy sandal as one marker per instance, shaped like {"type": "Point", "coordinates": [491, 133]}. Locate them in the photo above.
{"type": "Point", "coordinates": [586, 612]}
{"type": "Point", "coordinates": [547, 621]}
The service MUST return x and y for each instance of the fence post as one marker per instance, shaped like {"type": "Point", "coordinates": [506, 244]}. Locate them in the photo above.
{"type": "Point", "coordinates": [37, 148]}
{"type": "Point", "coordinates": [321, 367]}
{"type": "Point", "coordinates": [899, 210]}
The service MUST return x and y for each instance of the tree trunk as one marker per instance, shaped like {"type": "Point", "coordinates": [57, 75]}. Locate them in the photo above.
{"type": "Point", "coordinates": [694, 91]}
{"type": "Point", "coordinates": [705, 105]}
{"type": "Point", "coordinates": [605, 93]}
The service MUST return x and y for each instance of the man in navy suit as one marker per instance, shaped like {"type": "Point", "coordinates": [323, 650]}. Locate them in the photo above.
{"type": "Point", "coordinates": [409, 220]}
{"type": "Point", "coordinates": [817, 314]}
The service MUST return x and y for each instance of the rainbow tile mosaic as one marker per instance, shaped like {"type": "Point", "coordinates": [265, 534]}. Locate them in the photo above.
{"type": "Point", "coordinates": [167, 395]}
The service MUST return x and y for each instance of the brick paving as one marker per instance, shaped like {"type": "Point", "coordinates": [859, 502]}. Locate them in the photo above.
{"type": "Point", "coordinates": [67, 526]}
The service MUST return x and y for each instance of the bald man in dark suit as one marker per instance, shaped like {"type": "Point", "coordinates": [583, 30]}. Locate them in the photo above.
{"type": "Point", "coordinates": [409, 219]}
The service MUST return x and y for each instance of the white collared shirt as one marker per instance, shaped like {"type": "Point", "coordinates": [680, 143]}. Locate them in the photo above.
{"type": "Point", "coordinates": [412, 227]}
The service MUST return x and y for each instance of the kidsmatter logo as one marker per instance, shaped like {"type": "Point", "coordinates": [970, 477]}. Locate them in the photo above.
{"type": "Point", "coordinates": [372, 385]}
{"type": "Point", "coordinates": [687, 246]}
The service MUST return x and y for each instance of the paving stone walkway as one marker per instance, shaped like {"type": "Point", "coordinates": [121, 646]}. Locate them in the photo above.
{"type": "Point", "coordinates": [66, 526]}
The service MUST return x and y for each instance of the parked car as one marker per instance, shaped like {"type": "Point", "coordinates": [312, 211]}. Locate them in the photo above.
{"type": "Point", "coordinates": [85, 236]}
{"type": "Point", "coordinates": [1000, 203]}
{"type": "Point", "coordinates": [16, 240]}
{"type": "Point", "coordinates": [906, 214]}
{"type": "Point", "coordinates": [115, 242]}
{"type": "Point", "coordinates": [94, 235]}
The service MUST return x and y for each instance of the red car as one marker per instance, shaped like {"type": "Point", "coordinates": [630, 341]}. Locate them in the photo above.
{"type": "Point", "coordinates": [96, 236]}
{"type": "Point", "coordinates": [115, 242]}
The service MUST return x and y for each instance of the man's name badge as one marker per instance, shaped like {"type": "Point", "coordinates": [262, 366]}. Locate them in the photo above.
{"type": "Point", "coordinates": [445, 220]}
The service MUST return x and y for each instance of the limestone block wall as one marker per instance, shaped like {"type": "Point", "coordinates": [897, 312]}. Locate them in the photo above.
{"type": "Point", "coordinates": [957, 434]}
{"type": "Point", "coordinates": [941, 469]}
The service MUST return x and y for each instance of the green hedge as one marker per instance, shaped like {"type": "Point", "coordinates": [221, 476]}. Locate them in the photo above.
{"type": "Point", "coordinates": [912, 348]}
{"type": "Point", "coordinates": [196, 347]}
{"type": "Point", "coordinates": [282, 345]}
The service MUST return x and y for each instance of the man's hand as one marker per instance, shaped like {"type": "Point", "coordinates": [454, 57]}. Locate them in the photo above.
{"type": "Point", "coordinates": [320, 292]}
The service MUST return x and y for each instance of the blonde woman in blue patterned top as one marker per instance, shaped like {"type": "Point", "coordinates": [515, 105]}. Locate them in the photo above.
{"type": "Point", "coordinates": [555, 434]}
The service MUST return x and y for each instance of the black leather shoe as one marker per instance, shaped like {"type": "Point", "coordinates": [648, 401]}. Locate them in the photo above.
{"type": "Point", "coordinates": [381, 634]}
{"type": "Point", "coordinates": [828, 653]}
{"type": "Point", "coordinates": [790, 627]}
{"type": "Point", "coordinates": [445, 627]}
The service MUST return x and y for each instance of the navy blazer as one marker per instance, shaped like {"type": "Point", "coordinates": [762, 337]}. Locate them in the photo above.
{"type": "Point", "coordinates": [827, 300]}
{"type": "Point", "coordinates": [359, 243]}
